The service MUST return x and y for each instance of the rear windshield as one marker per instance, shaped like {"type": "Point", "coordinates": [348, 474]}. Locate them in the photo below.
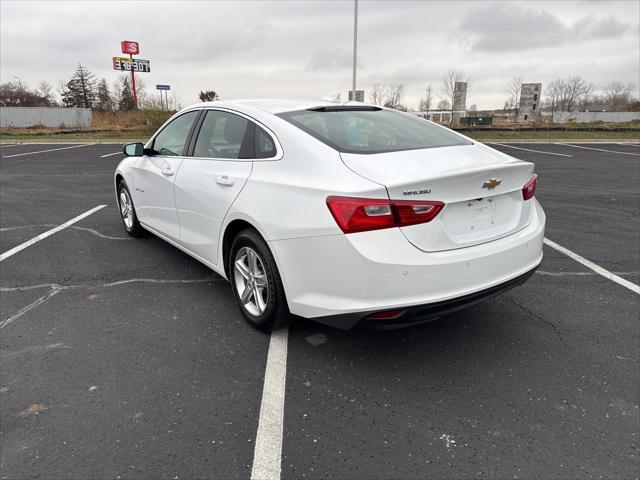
{"type": "Point", "coordinates": [371, 130]}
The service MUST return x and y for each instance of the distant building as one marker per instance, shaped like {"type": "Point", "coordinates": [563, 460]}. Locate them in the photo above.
{"type": "Point", "coordinates": [439, 116]}
{"type": "Point", "coordinates": [359, 95]}
{"type": "Point", "coordinates": [530, 98]}
{"type": "Point", "coordinates": [460, 96]}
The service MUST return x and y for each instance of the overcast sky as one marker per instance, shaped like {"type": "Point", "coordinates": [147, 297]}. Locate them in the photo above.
{"type": "Point", "coordinates": [304, 49]}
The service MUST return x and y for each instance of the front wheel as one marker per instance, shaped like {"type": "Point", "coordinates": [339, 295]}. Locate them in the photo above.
{"type": "Point", "coordinates": [128, 211]}
{"type": "Point", "coordinates": [256, 282]}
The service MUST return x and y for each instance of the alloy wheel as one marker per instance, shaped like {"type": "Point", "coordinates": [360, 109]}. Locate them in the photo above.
{"type": "Point", "coordinates": [250, 277]}
{"type": "Point", "coordinates": [126, 208]}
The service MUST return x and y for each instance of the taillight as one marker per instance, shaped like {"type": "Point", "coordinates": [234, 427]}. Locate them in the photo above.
{"type": "Point", "coordinates": [412, 213]}
{"type": "Point", "coordinates": [529, 189]}
{"type": "Point", "coordinates": [363, 214]}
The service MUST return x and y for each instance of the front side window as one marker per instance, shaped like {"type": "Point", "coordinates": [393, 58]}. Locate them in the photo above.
{"type": "Point", "coordinates": [371, 129]}
{"type": "Point", "coordinates": [172, 139]}
{"type": "Point", "coordinates": [223, 135]}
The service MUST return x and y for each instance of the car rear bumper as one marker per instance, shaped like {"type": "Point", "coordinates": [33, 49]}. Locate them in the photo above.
{"type": "Point", "coordinates": [422, 313]}
{"type": "Point", "coordinates": [341, 279]}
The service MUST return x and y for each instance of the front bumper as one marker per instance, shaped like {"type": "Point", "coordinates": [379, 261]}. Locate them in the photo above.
{"type": "Point", "coordinates": [340, 279]}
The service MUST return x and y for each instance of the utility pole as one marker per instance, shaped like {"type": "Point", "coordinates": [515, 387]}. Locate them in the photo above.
{"type": "Point", "coordinates": [355, 47]}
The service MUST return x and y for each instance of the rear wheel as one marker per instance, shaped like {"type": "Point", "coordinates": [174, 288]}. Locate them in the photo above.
{"type": "Point", "coordinates": [128, 211]}
{"type": "Point", "coordinates": [256, 282]}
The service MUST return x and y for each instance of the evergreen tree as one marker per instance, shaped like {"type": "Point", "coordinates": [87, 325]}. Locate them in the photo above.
{"type": "Point", "coordinates": [80, 91]}
{"type": "Point", "coordinates": [104, 101]}
{"type": "Point", "coordinates": [126, 96]}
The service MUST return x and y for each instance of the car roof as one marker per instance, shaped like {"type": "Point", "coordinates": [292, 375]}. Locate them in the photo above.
{"type": "Point", "coordinates": [274, 106]}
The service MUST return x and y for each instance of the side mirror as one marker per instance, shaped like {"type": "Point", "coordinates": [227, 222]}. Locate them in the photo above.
{"type": "Point", "coordinates": [133, 149]}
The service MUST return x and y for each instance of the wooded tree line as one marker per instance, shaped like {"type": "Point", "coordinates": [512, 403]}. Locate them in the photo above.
{"type": "Point", "coordinates": [574, 93]}
{"type": "Point", "coordinates": [392, 95]}
{"type": "Point", "coordinates": [82, 90]}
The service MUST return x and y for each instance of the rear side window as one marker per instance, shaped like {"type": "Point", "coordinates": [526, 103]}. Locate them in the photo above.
{"type": "Point", "coordinates": [371, 130]}
{"type": "Point", "coordinates": [265, 147]}
{"type": "Point", "coordinates": [224, 135]}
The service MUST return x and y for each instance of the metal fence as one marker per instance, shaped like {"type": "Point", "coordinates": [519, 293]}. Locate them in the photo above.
{"type": "Point", "coordinates": [51, 117]}
{"type": "Point", "coordinates": [589, 117]}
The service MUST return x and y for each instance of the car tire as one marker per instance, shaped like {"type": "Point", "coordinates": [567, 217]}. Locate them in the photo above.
{"type": "Point", "coordinates": [256, 282]}
{"type": "Point", "coordinates": [128, 211]}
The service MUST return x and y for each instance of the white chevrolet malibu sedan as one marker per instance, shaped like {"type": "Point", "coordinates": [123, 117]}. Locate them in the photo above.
{"type": "Point", "coordinates": [348, 214]}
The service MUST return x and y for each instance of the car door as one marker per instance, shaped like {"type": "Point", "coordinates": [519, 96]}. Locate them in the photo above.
{"type": "Point", "coordinates": [211, 178]}
{"type": "Point", "coordinates": [154, 175]}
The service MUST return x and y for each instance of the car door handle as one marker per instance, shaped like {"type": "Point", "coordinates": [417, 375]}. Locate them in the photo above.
{"type": "Point", "coordinates": [224, 180]}
{"type": "Point", "coordinates": [167, 171]}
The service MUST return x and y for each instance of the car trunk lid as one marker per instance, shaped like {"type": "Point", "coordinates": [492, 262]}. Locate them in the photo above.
{"type": "Point", "coordinates": [481, 189]}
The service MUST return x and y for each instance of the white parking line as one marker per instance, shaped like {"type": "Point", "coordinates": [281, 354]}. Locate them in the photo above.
{"type": "Point", "coordinates": [48, 233]}
{"type": "Point", "coordinates": [45, 151]}
{"type": "Point", "coordinates": [597, 149]}
{"type": "Point", "coordinates": [596, 268]}
{"type": "Point", "coordinates": [110, 154]}
{"type": "Point", "coordinates": [530, 150]}
{"type": "Point", "coordinates": [267, 455]}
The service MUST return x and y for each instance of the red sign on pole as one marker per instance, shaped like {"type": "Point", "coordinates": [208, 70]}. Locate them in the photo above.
{"type": "Point", "coordinates": [129, 47]}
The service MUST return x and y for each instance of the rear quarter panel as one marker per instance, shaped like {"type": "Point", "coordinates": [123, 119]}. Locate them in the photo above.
{"type": "Point", "coordinates": [287, 198]}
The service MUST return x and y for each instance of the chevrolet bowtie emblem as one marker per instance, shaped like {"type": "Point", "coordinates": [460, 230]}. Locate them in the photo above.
{"type": "Point", "coordinates": [491, 183]}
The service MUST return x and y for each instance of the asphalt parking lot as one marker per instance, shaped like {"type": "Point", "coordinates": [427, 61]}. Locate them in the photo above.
{"type": "Point", "coordinates": [123, 358]}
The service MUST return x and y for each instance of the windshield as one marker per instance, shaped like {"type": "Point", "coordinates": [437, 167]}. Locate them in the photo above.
{"type": "Point", "coordinates": [371, 129]}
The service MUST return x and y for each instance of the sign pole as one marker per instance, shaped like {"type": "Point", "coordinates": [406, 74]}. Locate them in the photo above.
{"type": "Point", "coordinates": [355, 47]}
{"type": "Point", "coordinates": [133, 86]}
{"type": "Point", "coordinates": [164, 101]}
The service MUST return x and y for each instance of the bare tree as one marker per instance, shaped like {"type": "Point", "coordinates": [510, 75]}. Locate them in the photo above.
{"type": "Point", "coordinates": [449, 81]}
{"type": "Point", "coordinates": [616, 95]}
{"type": "Point", "coordinates": [425, 103]}
{"type": "Point", "coordinates": [45, 90]}
{"type": "Point", "coordinates": [169, 103]}
{"type": "Point", "coordinates": [141, 91]}
{"type": "Point", "coordinates": [594, 102]}
{"type": "Point", "coordinates": [394, 96]}
{"type": "Point", "coordinates": [554, 94]}
{"type": "Point", "coordinates": [574, 89]}
{"type": "Point", "coordinates": [565, 94]}
{"type": "Point", "coordinates": [514, 89]}
{"type": "Point", "coordinates": [444, 104]}
{"type": "Point", "coordinates": [18, 94]}
{"type": "Point", "coordinates": [116, 88]}
{"type": "Point", "coordinates": [378, 94]}
{"type": "Point", "coordinates": [586, 99]}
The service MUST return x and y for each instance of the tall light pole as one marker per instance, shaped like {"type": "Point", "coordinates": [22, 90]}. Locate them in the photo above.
{"type": "Point", "coordinates": [355, 47]}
